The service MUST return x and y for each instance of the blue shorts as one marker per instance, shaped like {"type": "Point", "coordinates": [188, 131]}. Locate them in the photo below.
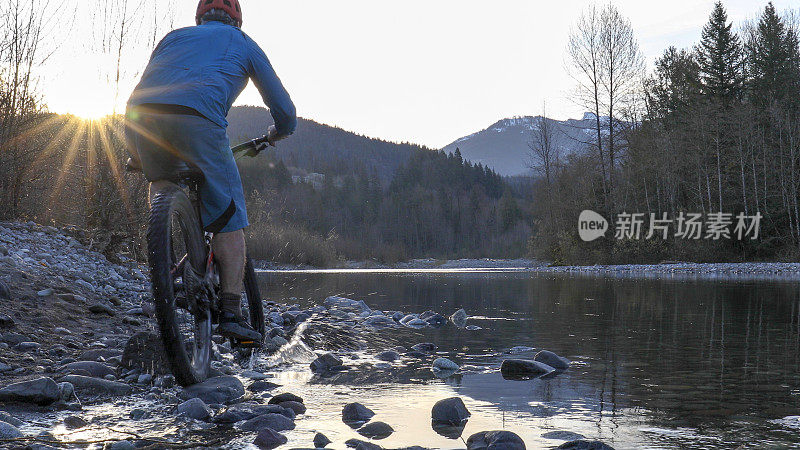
{"type": "Point", "coordinates": [162, 141]}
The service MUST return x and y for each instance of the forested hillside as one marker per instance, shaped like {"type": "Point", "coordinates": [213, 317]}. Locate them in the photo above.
{"type": "Point", "coordinates": [326, 193]}
{"type": "Point", "coordinates": [322, 148]}
{"type": "Point", "coordinates": [717, 129]}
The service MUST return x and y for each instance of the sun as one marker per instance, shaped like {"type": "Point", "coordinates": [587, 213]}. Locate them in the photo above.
{"type": "Point", "coordinates": [90, 111]}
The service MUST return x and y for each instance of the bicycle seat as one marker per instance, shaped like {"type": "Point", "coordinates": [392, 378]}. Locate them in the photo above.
{"type": "Point", "coordinates": [186, 175]}
{"type": "Point", "coordinates": [182, 174]}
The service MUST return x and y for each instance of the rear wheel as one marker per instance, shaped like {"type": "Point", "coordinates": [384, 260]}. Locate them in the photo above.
{"type": "Point", "coordinates": [177, 255]}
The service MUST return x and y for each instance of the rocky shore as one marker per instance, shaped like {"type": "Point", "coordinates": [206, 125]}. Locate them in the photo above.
{"type": "Point", "coordinates": [81, 366]}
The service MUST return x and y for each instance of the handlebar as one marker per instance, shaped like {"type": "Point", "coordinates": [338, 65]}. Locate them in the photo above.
{"type": "Point", "coordinates": [255, 146]}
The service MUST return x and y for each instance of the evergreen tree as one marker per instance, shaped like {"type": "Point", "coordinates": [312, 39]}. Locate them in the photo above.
{"type": "Point", "coordinates": [773, 60]}
{"type": "Point", "coordinates": [720, 55]}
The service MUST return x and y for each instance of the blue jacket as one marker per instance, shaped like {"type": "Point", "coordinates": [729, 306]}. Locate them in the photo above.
{"type": "Point", "coordinates": [206, 67]}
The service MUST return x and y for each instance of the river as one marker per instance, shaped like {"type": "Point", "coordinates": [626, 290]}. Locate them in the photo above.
{"type": "Point", "coordinates": [656, 363]}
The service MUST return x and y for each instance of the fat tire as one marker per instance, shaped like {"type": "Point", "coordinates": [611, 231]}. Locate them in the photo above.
{"type": "Point", "coordinates": [159, 245]}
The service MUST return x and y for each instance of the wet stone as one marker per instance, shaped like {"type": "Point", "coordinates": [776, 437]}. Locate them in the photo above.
{"type": "Point", "coordinates": [75, 422]}
{"type": "Point", "coordinates": [388, 356]}
{"type": "Point", "coordinates": [505, 440]}
{"type": "Point", "coordinates": [356, 414]}
{"type": "Point", "coordinates": [297, 407]}
{"type": "Point", "coordinates": [194, 409]}
{"type": "Point", "coordinates": [268, 439]}
{"type": "Point", "coordinates": [552, 360]}
{"type": "Point", "coordinates": [262, 386]}
{"type": "Point", "coordinates": [8, 431]}
{"type": "Point", "coordinates": [221, 390]}
{"type": "Point", "coordinates": [285, 397]}
{"type": "Point", "coordinates": [42, 391]}
{"type": "Point", "coordinates": [585, 445]}
{"type": "Point", "coordinates": [277, 422]}
{"type": "Point", "coordinates": [321, 441]}
{"type": "Point", "coordinates": [376, 430]}
{"type": "Point", "coordinates": [450, 411]}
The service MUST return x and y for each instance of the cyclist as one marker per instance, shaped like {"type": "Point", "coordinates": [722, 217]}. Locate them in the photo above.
{"type": "Point", "coordinates": [177, 114]}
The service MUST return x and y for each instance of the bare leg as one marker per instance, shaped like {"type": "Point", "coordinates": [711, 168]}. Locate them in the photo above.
{"type": "Point", "coordinates": [229, 251]}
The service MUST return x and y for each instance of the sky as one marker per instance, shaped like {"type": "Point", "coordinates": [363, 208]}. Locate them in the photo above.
{"type": "Point", "coordinates": [423, 71]}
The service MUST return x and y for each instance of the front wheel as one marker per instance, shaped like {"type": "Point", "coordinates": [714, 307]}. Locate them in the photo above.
{"type": "Point", "coordinates": [177, 255]}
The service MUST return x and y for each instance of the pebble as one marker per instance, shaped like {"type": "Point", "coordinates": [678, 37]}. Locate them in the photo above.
{"type": "Point", "coordinates": [45, 292]}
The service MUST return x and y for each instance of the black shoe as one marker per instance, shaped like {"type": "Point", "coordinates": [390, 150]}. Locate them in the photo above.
{"type": "Point", "coordinates": [234, 327]}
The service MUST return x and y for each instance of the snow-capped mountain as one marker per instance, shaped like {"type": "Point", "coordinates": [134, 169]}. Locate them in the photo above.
{"type": "Point", "coordinates": [504, 145]}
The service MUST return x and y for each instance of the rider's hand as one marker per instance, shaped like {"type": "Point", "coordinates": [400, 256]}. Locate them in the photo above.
{"type": "Point", "coordinates": [272, 136]}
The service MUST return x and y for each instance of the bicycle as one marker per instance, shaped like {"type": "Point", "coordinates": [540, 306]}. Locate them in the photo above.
{"type": "Point", "coordinates": [185, 278]}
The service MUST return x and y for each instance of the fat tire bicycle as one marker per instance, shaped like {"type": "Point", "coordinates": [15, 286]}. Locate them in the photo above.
{"type": "Point", "coordinates": [185, 275]}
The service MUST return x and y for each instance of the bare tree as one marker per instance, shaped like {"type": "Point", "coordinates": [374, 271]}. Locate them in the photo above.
{"type": "Point", "coordinates": [608, 67]}
{"type": "Point", "coordinates": [23, 39]}
{"type": "Point", "coordinates": [585, 66]}
{"type": "Point", "coordinates": [544, 153]}
{"type": "Point", "coordinates": [622, 70]}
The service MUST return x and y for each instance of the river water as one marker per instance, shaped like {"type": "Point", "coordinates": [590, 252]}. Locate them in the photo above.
{"type": "Point", "coordinates": [655, 363]}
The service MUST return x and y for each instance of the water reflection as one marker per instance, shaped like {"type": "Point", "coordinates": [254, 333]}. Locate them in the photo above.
{"type": "Point", "coordinates": [655, 362]}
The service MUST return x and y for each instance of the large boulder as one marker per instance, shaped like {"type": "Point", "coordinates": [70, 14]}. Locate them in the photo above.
{"type": "Point", "coordinates": [376, 430]}
{"type": "Point", "coordinates": [42, 391]}
{"type": "Point", "coordinates": [277, 422]}
{"type": "Point", "coordinates": [90, 387]}
{"type": "Point", "coordinates": [552, 360]}
{"type": "Point", "coordinates": [523, 368]}
{"type": "Point", "coordinates": [219, 390]}
{"type": "Point", "coordinates": [495, 440]}
{"type": "Point", "coordinates": [450, 411]}
{"type": "Point", "coordinates": [145, 352]}
{"type": "Point", "coordinates": [268, 439]}
{"type": "Point", "coordinates": [585, 445]}
{"type": "Point", "coordinates": [356, 414]}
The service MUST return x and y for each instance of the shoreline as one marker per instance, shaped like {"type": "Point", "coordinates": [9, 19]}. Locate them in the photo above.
{"type": "Point", "coordinates": [679, 270]}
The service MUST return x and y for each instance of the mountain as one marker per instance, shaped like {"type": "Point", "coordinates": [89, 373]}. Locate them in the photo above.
{"type": "Point", "coordinates": [504, 145]}
{"type": "Point", "coordinates": [320, 148]}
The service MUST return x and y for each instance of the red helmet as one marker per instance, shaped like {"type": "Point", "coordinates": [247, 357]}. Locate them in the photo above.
{"type": "Point", "coordinates": [229, 6]}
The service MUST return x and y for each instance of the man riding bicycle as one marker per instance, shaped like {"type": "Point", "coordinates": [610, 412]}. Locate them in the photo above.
{"type": "Point", "coordinates": [177, 115]}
